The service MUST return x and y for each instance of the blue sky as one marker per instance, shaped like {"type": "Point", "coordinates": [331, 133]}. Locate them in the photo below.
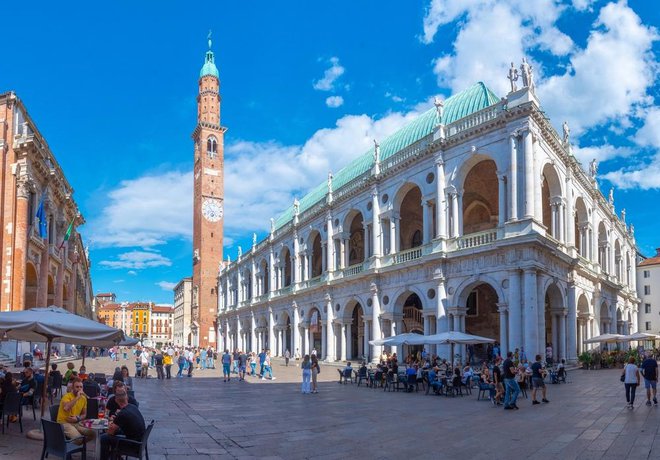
{"type": "Point", "coordinates": [306, 86]}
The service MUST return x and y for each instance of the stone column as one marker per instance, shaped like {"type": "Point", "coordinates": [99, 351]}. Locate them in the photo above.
{"type": "Point", "coordinates": [555, 334]}
{"type": "Point", "coordinates": [393, 238]}
{"type": "Point", "coordinates": [440, 200]}
{"type": "Point", "coordinates": [342, 253]}
{"type": "Point", "coordinates": [529, 174]}
{"type": "Point", "coordinates": [561, 352]}
{"type": "Point", "coordinates": [310, 340]}
{"type": "Point", "coordinates": [454, 214]}
{"type": "Point", "coordinates": [376, 230]}
{"type": "Point", "coordinates": [393, 332]}
{"type": "Point", "coordinates": [343, 342]}
{"type": "Point", "coordinates": [513, 178]}
{"type": "Point", "coordinates": [239, 333]}
{"type": "Point", "coordinates": [365, 338]}
{"type": "Point", "coordinates": [330, 257]}
{"type": "Point", "coordinates": [504, 339]}
{"type": "Point", "coordinates": [376, 350]}
{"type": "Point", "coordinates": [570, 217]}
{"type": "Point", "coordinates": [349, 341]}
{"type": "Point", "coordinates": [295, 332]}
{"type": "Point", "coordinates": [427, 221]}
{"type": "Point", "coordinates": [571, 321]}
{"type": "Point", "coordinates": [330, 334]}
{"type": "Point", "coordinates": [515, 311]}
{"type": "Point", "coordinates": [253, 334]}
{"type": "Point", "coordinates": [442, 322]}
{"type": "Point", "coordinates": [501, 195]}
{"type": "Point", "coordinates": [271, 326]}
{"type": "Point", "coordinates": [531, 307]}
{"type": "Point", "coordinates": [459, 210]}
{"type": "Point", "coordinates": [271, 272]}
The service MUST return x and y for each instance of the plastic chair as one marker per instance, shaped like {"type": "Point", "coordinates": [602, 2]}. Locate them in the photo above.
{"type": "Point", "coordinates": [54, 409]}
{"type": "Point", "coordinates": [130, 448]}
{"type": "Point", "coordinates": [56, 443]}
{"type": "Point", "coordinates": [348, 375]}
{"type": "Point", "coordinates": [12, 406]}
{"type": "Point", "coordinates": [91, 391]}
{"type": "Point", "coordinates": [55, 386]}
{"type": "Point", "coordinates": [362, 375]}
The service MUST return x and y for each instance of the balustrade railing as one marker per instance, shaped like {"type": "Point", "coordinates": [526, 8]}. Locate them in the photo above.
{"type": "Point", "coordinates": [352, 270]}
{"type": "Point", "coordinates": [474, 240]}
{"type": "Point", "coordinates": [475, 119]}
{"type": "Point", "coordinates": [407, 255]}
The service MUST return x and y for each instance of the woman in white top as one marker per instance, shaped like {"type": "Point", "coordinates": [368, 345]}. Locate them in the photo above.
{"type": "Point", "coordinates": [631, 380]}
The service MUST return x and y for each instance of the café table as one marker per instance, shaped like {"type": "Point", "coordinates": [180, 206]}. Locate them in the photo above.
{"type": "Point", "coordinates": [99, 426]}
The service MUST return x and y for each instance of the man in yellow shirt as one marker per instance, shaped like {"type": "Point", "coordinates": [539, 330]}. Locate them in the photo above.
{"type": "Point", "coordinates": [73, 409]}
{"type": "Point", "coordinates": [167, 361]}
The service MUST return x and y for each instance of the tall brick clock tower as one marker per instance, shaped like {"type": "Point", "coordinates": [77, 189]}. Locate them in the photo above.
{"type": "Point", "coordinates": [208, 204]}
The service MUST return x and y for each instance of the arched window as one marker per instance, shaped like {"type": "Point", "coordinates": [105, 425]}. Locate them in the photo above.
{"type": "Point", "coordinates": [212, 147]}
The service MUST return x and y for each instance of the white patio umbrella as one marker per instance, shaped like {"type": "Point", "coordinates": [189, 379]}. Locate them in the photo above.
{"type": "Point", "coordinates": [450, 337]}
{"type": "Point", "coordinates": [641, 337]}
{"type": "Point", "coordinates": [54, 324]}
{"type": "Point", "coordinates": [406, 338]}
{"type": "Point", "coordinates": [607, 338]}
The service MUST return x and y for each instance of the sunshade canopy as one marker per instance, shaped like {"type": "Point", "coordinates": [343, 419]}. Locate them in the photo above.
{"type": "Point", "coordinates": [607, 338]}
{"type": "Point", "coordinates": [396, 340]}
{"type": "Point", "coordinates": [57, 325]}
{"type": "Point", "coordinates": [451, 337]}
{"type": "Point", "coordinates": [642, 336]}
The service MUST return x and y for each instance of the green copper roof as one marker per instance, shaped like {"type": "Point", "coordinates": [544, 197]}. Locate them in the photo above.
{"type": "Point", "coordinates": [471, 100]}
{"type": "Point", "coordinates": [209, 67]}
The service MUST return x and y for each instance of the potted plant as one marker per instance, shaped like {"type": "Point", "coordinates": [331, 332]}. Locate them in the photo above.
{"type": "Point", "coordinates": [586, 359]}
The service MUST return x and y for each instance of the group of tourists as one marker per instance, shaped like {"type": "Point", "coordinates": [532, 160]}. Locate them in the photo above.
{"type": "Point", "coordinates": [240, 361]}
{"type": "Point", "coordinates": [188, 359]}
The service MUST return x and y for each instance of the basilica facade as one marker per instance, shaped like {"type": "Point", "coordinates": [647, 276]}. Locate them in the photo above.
{"type": "Point", "coordinates": [475, 217]}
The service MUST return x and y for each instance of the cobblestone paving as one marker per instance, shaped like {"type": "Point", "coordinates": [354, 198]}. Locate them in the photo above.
{"type": "Point", "coordinates": [205, 418]}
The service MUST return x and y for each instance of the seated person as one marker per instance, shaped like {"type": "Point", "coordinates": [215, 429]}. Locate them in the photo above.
{"type": "Point", "coordinates": [37, 353]}
{"type": "Point", "coordinates": [111, 407]}
{"type": "Point", "coordinates": [443, 367]}
{"type": "Point", "coordinates": [67, 374]}
{"type": "Point", "coordinates": [90, 386]}
{"type": "Point", "coordinates": [73, 409]}
{"type": "Point", "coordinates": [53, 375]}
{"type": "Point", "coordinates": [128, 421]}
{"type": "Point", "coordinates": [82, 374]}
{"type": "Point", "coordinates": [126, 377]}
{"type": "Point", "coordinates": [28, 386]}
{"type": "Point", "coordinates": [8, 386]}
{"type": "Point", "coordinates": [434, 382]}
{"type": "Point", "coordinates": [411, 375]}
{"type": "Point", "coordinates": [486, 382]}
{"type": "Point", "coordinates": [467, 375]}
{"type": "Point", "coordinates": [3, 369]}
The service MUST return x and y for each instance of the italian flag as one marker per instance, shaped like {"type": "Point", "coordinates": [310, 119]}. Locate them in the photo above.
{"type": "Point", "coordinates": [67, 235]}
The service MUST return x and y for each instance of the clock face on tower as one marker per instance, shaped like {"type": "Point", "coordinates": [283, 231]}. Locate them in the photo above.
{"type": "Point", "coordinates": [212, 209]}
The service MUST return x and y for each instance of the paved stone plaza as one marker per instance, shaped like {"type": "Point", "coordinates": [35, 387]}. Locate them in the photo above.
{"type": "Point", "coordinates": [205, 418]}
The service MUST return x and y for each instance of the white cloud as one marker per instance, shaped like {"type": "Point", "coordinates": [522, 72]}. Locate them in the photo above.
{"type": "Point", "coordinates": [262, 179]}
{"type": "Point", "coordinates": [330, 76]}
{"type": "Point", "coordinates": [649, 133]}
{"type": "Point", "coordinates": [643, 176]}
{"type": "Point", "coordinates": [334, 101]}
{"type": "Point", "coordinates": [582, 5]}
{"type": "Point", "coordinates": [166, 285]}
{"type": "Point", "coordinates": [620, 46]}
{"type": "Point", "coordinates": [600, 153]}
{"type": "Point", "coordinates": [146, 211]}
{"type": "Point", "coordinates": [137, 260]}
{"type": "Point", "coordinates": [519, 25]}
{"type": "Point", "coordinates": [131, 272]}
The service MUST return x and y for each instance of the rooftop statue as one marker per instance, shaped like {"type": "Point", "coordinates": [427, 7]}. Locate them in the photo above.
{"type": "Point", "coordinates": [610, 197]}
{"type": "Point", "coordinates": [526, 74]}
{"type": "Point", "coordinates": [330, 182]}
{"type": "Point", "coordinates": [513, 77]}
{"type": "Point", "coordinates": [567, 133]}
{"type": "Point", "coordinates": [272, 225]}
{"type": "Point", "coordinates": [623, 215]}
{"type": "Point", "coordinates": [254, 239]}
{"type": "Point", "coordinates": [593, 168]}
{"type": "Point", "coordinates": [240, 252]}
{"type": "Point", "coordinates": [439, 106]}
{"type": "Point", "coordinates": [296, 206]}
{"type": "Point", "coordinates": [376, 152]}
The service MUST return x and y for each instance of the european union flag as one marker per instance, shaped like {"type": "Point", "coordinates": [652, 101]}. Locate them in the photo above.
{"type": "Point", "coordinates": [41, 218]}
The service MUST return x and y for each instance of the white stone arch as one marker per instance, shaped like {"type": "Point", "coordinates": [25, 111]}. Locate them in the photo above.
{"type": "Point", "coordinates": [465, 287]}
{"type": "Point", "coordinates": [467, 165]}
{"type": "Point", "coordinates": [347, 306]}
{"type": "Point", "coordinates": [398, 298]}
{"type": "Point", "coordinates": [554, 178]}
{"type": "Point", "coordinates": [400, 191]}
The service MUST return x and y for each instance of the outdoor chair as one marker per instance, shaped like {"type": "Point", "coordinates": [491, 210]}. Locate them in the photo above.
{"type": "Point", "coordinates": [54, 409]}
{"type": "Point", "coordinates": [341, 375]}
{"type": "Point", "coordinates": [362, 375]}
{"type": "Point", "coordinates": [348, 375]}
{"type": "Point", "coordinates": [12, 406]}
{"type": "Point", "coordinates": [32, 400]}
{"type": "Point", "coordinates": [389, 382]}
{"type": "Point", "coordinates": [411, 383]}
{"type": "Point", "coordinates": [134, 449]}
{"type": "Point", "coordinates": [91, 391]}
{"type": "Point", "coordinates": [483, 389]}
{"type": "Point", "coordinates": [55, 386]}
{"type": "Point", "coordinates": [454, 387]}
{"type": "Point", "coordinates": [56, 443]}
{"type": "Point", "coordinates": [92, 408]}
{"type": "Point", "coordinates": [377, 379]}
{"type": "Point", "coordinates": [100, 379]}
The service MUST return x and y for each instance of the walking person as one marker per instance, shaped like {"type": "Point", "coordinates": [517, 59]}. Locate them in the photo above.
{"type": "Point", "coordinates": [242, 364]}
{"type": "Point", "coordinates": [510, 384]}
{"type": "Point", "coordinates": [210, 358]}
{"type": "Point", "coordinates": [287, 356]}
{"type": "Point", "coordinates": [253, 364]}
{"type": "Point", "coordinates": [235, 361]}
{"type": "Point", "coordinates": [650, 373]}
{"type": "Point", "coordinates": [306, 374]}
{"type": "Point", "coordinates": [202, 359]}
{"type": "Point", "coordinates": [167, 361]}
{"type": "Point", "coordinates": [144, 364]}
{"type": "Point", "coordinates": [226, 366]}
{"type": "Point", "coordinates": [158, 361]}
{"type": "Point", "coordinates": [262, 360]}
{"type": "Point", "coordinates": [537, 380]}
{"type": "Point", "coordinates": [315, 372]}
{"type": "Point", "coordinates": [631, 380]}
{"type": "Point", "coordinates": [190, 358]}
{"type": "Point", "coordinates": [181, 362]}
{"type": "Point", "coordinates": [268, 368]}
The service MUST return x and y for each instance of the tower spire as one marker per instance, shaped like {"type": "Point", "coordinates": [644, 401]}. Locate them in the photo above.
{"type": "Point", "coordinates": [209, 67]}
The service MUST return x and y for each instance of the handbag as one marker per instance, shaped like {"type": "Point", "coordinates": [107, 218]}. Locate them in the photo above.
{"type": "Point", "coordinates": [623, 377]}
